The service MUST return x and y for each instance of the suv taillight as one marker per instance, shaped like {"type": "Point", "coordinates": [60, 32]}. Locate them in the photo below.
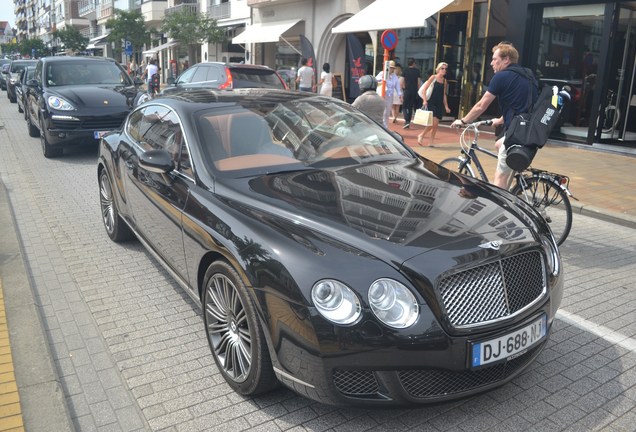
{"type": "Point", "coordinates": [229, 83]}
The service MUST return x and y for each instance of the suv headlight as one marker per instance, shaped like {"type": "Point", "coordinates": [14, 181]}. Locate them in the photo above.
{"type": "Point", "coordinates": [57, 103]}
{"type": "Point", "coordinates": [336, 301]}
{"type": "Point", "coordinates": [393, 303]}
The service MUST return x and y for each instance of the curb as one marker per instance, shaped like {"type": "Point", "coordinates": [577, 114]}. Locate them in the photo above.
{"type": "Point", "coordinates": [41, 395]}
{"type": "Point", "coordinates": [605, 215]}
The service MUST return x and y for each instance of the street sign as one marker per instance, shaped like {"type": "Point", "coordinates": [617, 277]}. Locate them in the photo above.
{"type": "Point", "coordinates": [128, 48]}
{"type": "Point", "coordinates": [389, 39]}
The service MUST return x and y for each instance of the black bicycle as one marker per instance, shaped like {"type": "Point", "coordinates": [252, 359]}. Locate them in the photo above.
{"type": "Point", "coordinates": [547, 192]}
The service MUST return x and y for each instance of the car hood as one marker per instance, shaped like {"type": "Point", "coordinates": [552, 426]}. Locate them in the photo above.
{"type": "Point", "coordinates": [96, 96]}
{"type": "Point", "coordinates": [394, 211]}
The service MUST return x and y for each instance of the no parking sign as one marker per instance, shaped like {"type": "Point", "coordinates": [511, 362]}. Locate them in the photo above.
{"type": "Point", "coordinates": [389, 39]}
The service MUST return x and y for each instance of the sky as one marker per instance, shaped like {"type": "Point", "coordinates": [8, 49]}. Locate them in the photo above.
{"type": "Point", "coordinates": [6, 12]}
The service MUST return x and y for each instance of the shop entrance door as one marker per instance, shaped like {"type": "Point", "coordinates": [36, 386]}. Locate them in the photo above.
{"type": "Point", "coordinates": [617, 115]}
{"type": "Point", "coordinates": [451, 50]}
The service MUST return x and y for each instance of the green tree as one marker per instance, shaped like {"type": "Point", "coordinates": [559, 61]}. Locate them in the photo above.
{"type": "Point", "coordinates": [192, 29]}
{"type": "Point", "coordinates": [26, 47]}
{"type": "Point", "coordinates": [71, 38]}
{"type": "Point", "coordinates": [128, 25]}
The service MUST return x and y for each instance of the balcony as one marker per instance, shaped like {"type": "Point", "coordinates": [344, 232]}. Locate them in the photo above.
{"type": "Point", "coordinates": [219, 11]}
{"type": "Point", "coordinates": [187, 6]}
{"type": "Point", "coordinates": [153, 11]}
{"type": "Point", "coordinates": [104, 11]}
{"type": "Point", "coordinates": [88, 9]}
{"type": "Point", "coordinates": [90, 33]}
{"type": "Point", "coordinates": [264, 3]}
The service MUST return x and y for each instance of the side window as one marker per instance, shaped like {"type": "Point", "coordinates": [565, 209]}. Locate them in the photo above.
{"type": "Point", "coordinates": [163, 132]}
{"type": "Point", "coordinates": [200, 74]}
{"type": "Point", "coordinates": [186, 77]}
{"type": "Point", "coordinates": [214, 74]}
{"type": "Point", "coordinates": [134, 123]}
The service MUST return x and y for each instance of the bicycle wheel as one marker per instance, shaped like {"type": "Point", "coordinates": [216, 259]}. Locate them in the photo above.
{"type": "Point", "coordinates": [550, 201]}
{"type": "Point", "coordinates": [458, 165]}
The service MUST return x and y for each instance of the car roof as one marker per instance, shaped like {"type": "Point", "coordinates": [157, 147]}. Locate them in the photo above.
{"type": "Point", "coordinates": [67, 59]}
{"type": "Point", "coordinates": [234, 65]}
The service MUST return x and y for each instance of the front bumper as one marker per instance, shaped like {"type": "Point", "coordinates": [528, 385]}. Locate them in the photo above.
{"type": "Point", "coordinates": [67, 130]}
{"type": "Point", "coordinates": [368, 367]}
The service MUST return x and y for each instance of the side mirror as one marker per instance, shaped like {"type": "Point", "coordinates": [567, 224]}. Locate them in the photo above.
{"type": "Point", "coordinates": [171, 81]}
{"type": "Point", "coordinates": [156, 161]}
{"type": "Point", "coordinates": [31, 83]}
{"type": "Point", "coordinates": [138, 81]}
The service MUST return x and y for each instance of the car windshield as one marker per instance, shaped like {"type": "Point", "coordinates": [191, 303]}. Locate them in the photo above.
{"type": "Point", "coordinates": [85, 73]}
{"type": "Point", "coordinates": [292, 135]}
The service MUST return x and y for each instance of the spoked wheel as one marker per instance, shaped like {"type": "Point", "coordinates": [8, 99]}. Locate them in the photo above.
{"type": "Point", "coordinates": [458, 165]}
{"type": "Point", "coordinates": [550, 201]}
{"type": "Point", "coordinates": [116, 228]}
{"type": "Point", "coordinates": [234, 332]}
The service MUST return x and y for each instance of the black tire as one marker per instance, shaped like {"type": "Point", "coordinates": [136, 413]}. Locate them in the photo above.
{"type": "Point", "coordinates": [47, 149]}
{"type": "Point", "coordinates": [115, 227]}
{"type": "Point", "coordinates": [453, 164]}
{"type": "Point", "coordinates": [551, 202]}
{"type": "Point", "coordinates": [33, 130]}
{"type": "Point", "coordinates": [234, 332]}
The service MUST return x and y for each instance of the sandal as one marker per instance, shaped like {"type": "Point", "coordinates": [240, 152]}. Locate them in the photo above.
{"type": "Point", "coordinates": [420, 139]}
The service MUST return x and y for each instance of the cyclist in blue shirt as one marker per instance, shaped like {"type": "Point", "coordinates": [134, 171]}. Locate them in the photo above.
{"type": "Point", "coordinates": [512, 88]}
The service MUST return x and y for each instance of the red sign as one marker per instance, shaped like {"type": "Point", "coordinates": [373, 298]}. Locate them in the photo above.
{"type": "Point", "coordinates": [389, 39]}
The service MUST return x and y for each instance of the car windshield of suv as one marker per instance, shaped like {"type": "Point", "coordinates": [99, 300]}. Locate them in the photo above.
{"type": "Point", "coordinates": [85, 73]}
{"type": "Point", "coordinates": [291, 135]}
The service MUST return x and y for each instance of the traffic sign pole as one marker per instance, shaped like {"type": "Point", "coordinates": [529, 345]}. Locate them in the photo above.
{"type": "Point", "coordinates": [389, 40]}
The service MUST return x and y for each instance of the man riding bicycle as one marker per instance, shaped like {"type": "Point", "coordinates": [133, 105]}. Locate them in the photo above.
{"type": "Point", "coordinates": [512, 90]}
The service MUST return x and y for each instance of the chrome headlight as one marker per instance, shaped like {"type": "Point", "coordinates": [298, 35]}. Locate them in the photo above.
{"type": "Point", "coordinates": [336, 301]}
{"type": "Point", "coordinates": [393, 303]}
{"type": "Point", "coordinates": [552, 254]}
{"type": "Point", "coordinates": [57, 103]}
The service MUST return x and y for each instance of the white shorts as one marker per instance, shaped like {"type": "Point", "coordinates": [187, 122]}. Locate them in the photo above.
{"type": "Point", "coordinates": [502, 167]}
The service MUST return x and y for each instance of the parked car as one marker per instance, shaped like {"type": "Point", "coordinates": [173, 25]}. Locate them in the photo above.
{"type": "Point", "coordinates": [75, 100]}
{"type": "Point", "coordinates": [20, 89]}
{"type": "Point", "coordinates": [325, 253]}
{"type": "Point", "coordinates": [217, 75]}
{"type": "Point", "coordinates": [4, 68]}
{"type": "Point", "coordinates": [15, 67]}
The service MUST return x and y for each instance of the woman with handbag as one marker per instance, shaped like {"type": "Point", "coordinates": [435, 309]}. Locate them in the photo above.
{"type": "Point", "coordinates": [433, 93]}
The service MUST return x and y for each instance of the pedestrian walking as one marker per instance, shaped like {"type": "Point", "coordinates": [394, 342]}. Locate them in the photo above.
{"type": "Point", "coordinates": [397, 99]}
{"type": "Point", "coordinates": [412, 83]}
{"type": "Point", "coordinates": [515, 94]}
{"type": "Point", "coordinates": [392, 85]}
{"type": "Point", "coordinates": [327, 80]}
{"type": "Point", "coordinates": [305, 77]}
{"type": "Point", "coordinates": [437, 103]}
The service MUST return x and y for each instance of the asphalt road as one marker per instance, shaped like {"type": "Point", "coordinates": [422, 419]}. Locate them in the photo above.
{"type": "Point", "coordinates": [130, 351]}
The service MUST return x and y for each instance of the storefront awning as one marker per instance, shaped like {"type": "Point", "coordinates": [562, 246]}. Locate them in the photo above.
{"type": "Point", "coordinates": [97, 42]}
{"type": "Point", "coordinates": [264, 32]}
{"type": "Point", "coordinates": [155, 50]}
{"type": "Point", "coordinates": [391, 14]}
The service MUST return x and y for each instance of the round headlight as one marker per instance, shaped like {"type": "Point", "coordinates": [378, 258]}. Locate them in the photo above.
{"type": "Point", "coordinates": [393, 303]}
{"type": "Point", "coordinates": [552, 254]}
{"type": "Point", "coordinates": [59, 104]}
{"type": "Point", "coordinates": [336, 301]}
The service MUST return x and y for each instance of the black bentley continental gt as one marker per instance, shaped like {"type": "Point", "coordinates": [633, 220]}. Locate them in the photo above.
{"type": "Point", "coordinates": [72, 101]}
{"type": "Point", "coordinates": [326, 255]}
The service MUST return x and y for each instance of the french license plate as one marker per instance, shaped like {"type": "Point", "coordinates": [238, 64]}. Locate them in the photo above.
{"type": "Point", "coordinates": [509, 346]}
{"type": "Point", "coordinates": [99, 134]}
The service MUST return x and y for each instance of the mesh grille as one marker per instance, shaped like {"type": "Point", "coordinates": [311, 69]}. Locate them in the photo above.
{"type": "Point", "coordinates": [91, 123]}
{"type": "Point", "coordinates": [493, 291]}
{"type": "Point", "coordinates": [435, 382]}
{"type": "Point", "coordinates": [355, 382]}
